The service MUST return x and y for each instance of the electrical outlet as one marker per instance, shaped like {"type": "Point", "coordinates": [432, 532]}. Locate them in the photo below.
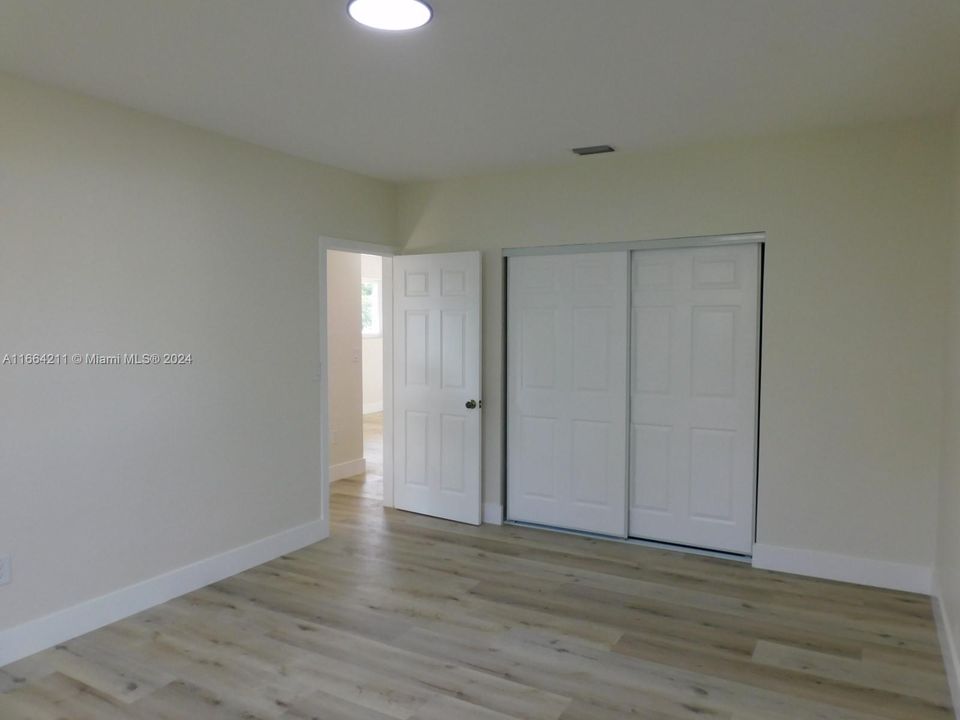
{"type": "Point", "coordinates": [5, 569]}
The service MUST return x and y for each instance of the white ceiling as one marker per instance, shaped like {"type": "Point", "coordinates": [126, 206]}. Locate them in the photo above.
{"type": "Point", "coordinates": [494, 84]}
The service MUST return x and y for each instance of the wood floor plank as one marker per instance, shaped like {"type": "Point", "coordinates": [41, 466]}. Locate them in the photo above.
{"type": "Point", "coordinates": [930, 660]}
{"type": "Point", "coordinates": [18, 674]}
{"type": "Point", "coordinates": [320, 705]}
{"type": "Point", "coordinates": [445, 708]}
{"type": "Point", "coordinates": [108, 669]}
{"type": "Point", "coordinates": [911, 682]}
{"type": "Point", "coordinates": [180, 700]}
{"type": "Point", "coordinates": [58, 697]}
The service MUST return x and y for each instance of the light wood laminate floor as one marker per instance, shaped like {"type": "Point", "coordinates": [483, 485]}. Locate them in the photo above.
{"type": "Point", "coordinates": [403, 616]}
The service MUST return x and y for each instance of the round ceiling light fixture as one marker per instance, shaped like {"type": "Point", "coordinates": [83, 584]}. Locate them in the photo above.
{"type": "Point", "coordinates": [390, 14]}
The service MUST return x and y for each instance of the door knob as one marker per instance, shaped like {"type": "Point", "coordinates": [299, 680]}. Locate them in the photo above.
{"type": "Point", "coordinates": [471, 404]}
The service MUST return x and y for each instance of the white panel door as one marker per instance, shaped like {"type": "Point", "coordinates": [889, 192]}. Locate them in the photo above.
{"type": "Point", "coordinates": [437, 385]}
{"type": "Point", "coordinates": [567, 393]}
{"type": "Point", "coordinates": [694, 396]}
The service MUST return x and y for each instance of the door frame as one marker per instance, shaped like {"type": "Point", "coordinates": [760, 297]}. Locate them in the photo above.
{"type": "Point", "coordinates": [386, 253]}
{"type": "Point", "coordinates": [695, 241]}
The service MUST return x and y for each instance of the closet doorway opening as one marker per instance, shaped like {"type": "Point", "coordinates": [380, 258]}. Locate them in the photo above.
{"type": "Point", "coordinates": [632, 390]}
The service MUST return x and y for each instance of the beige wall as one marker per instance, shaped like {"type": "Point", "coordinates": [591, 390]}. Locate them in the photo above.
{"type": "Point", "coordinates": [948, 550]}
{"type": "Point", "coordinates": [121, 232]}
{"type": "Point", "coordinates": [853, 304]}
{"type": "Point", "coordinates": [344, 354]}
{"type": "Point", "coordinates": [371, 266]}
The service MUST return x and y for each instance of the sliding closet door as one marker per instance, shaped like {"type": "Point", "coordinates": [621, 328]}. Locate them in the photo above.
{"type": "Point", "coordinates": [694, 396]}
{"type": "Point", "coordinates": [567, 393]}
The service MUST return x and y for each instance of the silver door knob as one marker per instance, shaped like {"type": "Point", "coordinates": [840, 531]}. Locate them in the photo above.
{"type": "Point", "coordinates": [471, 404]}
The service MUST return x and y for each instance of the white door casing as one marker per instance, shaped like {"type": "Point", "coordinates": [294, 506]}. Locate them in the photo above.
{"type": "Point", "coordinates": [567, 358]}
{"type": "Point", "coordinates": [436, 375]}
{"type": "Point", "coordinates": [694, 396]}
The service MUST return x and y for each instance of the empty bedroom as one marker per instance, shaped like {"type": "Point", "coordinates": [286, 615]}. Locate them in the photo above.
{"type": "Point", "coordinates": [446, 359]}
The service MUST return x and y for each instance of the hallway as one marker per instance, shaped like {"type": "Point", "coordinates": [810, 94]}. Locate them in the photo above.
{"type": "Point", "coordinates": [369, 484]}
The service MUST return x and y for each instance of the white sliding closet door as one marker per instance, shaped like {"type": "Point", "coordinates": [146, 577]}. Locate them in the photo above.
{"type": "Point", "coordinates": [567, 391]}
{"type": "Point", "coordinates": [694, 396]}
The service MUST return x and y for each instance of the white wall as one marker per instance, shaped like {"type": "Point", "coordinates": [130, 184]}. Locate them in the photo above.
{"type": "Point", "coordinates": [853, 305]}
{"type": "Point", "coordinates": [371, 267]}
{"type": "Point", "coordinates": [122, 232]}
{"type": "Point", "coordinates": [948, 548]}
{"type": "Point", "coordinates": [344, 354]}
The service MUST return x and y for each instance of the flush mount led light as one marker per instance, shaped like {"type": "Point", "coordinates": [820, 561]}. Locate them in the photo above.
{"type": "Point", "coordinates": [390, 14]}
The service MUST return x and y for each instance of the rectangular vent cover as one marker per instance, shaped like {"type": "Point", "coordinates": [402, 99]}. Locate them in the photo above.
{"type": "Point", "coordinates": [593, 150]}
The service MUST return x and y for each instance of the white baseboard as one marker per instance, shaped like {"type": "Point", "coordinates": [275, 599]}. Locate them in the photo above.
{"type": "Point", "coordinates": [31, 637]}
{"type": "Point", "coordinates": [948, 646]}
{"type": "Point", "coordinates": [493, 513]}
{"type": "Point", "coordinates": [348, 469]}
{"type": "Point", "coordinates": [847, 568]}
{"type": "Point", "coordinates": [376, 407]}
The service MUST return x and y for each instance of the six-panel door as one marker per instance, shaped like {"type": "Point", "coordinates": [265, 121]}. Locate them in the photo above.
{"type": "Point", "coordinates": [436, 380]}
{"type": "Point", "coordinates": [567, 390]}
{"type": "Point", "coordinates": [693, 412]}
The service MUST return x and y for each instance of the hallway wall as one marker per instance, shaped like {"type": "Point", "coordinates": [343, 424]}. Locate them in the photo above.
{"type": "Point", "coordinates": [344, 357]}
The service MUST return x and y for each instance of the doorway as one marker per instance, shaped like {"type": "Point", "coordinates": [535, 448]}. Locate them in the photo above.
{"type": "Point", "coordinates": [356, 372]}
{"type": "Point", "coordinates": [431, 394]}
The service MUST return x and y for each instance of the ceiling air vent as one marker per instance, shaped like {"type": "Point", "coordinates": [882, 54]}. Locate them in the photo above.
{"type": "Point", "coordinates": [593, 150]}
